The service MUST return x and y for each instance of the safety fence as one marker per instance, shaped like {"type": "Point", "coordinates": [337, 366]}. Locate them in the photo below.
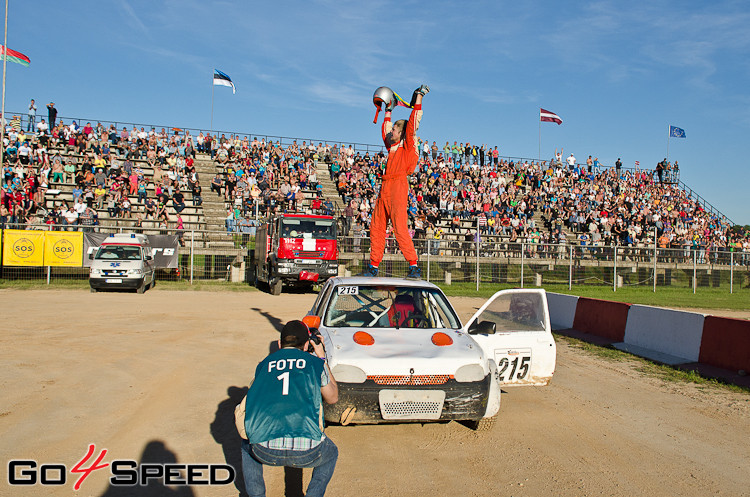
{"type": "Point", "coordinates": [524, 264]}
{"type": "Point", "coordinates": [222, 256]}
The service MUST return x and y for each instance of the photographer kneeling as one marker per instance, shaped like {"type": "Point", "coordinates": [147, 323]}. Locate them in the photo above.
{"type": "Point", "coordinates": [280, 420]}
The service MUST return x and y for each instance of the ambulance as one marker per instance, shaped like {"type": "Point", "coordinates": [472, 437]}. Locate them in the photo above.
{"type": "Point", "coordinates": [123, 262]}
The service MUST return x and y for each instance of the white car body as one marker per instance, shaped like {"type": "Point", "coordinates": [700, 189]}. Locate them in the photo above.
{"type": "Point", "coordinates": [410, 372]}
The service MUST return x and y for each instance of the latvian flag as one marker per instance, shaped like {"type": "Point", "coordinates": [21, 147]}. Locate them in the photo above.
{"type": "Point", "coordinates": [13, 56]}
{"type": "Point", "coordinates": [545, 115]}
{"type": "Point", "coordinates": [222, 79]}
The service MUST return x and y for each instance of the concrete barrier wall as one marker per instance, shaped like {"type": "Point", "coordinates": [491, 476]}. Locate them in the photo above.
{"type": "Point", "coordinates": [602, 318]}
{"type": "Point", "coordinates": [671, 332]}
{"type": "Point", "coordinates": [726, 343]}
{"type": "Point", "coordinates": [562, 310]}
{"type": "Point", "coordinates": [664, 335]}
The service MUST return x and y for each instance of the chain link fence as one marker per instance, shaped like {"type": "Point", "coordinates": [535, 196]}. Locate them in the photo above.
{"type": "Point", "coordinates": [223, 256]}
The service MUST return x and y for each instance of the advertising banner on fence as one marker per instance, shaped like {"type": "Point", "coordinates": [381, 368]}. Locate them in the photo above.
{"type": "Point", "coordinates": [23, 248]}
{"type": "Point", "coordinates": [164, 248]}
{"type": "Point", "coordinates": [63, 248]}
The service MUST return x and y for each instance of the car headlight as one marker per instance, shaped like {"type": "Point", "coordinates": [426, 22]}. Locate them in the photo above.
{"type": "Point", "coordinates": [348, 374]}
{"type": "Point", "coordinates": [135, 271]}
{"type": "Point", "coordinates": [95, 271]}
{"type": "Point", "coordinates": [469, 372]}
{"type": "Point", "coordinates": [284, 270]}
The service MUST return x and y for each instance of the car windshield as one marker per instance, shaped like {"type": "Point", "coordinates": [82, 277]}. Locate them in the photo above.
{"type": "Point", "coordinates": [118, 252]}
{"type": "Point", "coordinates": [372, 306]}
{"type": "Point", "coordinates": [316, 229]}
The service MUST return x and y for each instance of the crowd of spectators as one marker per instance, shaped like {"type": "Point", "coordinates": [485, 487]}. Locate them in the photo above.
{"type": "Point", "coordinates": [108, 169]}
{"type": "Point", "coordinates": [540, 202]}
{"type": "Point", "coordinates": [460, 191]}
{"type": "Point", "coordinates": [260, 177]}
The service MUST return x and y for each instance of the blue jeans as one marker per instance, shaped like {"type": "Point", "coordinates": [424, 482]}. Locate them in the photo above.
{"type": "Point", "coordinates": [322, 458]}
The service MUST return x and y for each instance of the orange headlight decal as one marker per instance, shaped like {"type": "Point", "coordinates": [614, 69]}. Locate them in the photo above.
{"type": "Point", "coordinates": [363, 338]}
{"type": "Point", "coordinates": [441, 339]}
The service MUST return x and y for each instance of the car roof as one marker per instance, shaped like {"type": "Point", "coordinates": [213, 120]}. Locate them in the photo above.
{"type": "Point", "coordinates": [381, 281]}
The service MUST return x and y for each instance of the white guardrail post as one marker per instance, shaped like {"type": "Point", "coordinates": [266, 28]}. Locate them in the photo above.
{"type": "Point", "coordinates": [614, 269]}
{"type": "Point", "coordinates": [570, 269]}
{"type": "Point", "coordinates": [192, 254]}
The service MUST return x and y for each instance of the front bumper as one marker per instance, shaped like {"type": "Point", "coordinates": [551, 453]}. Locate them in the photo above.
{"type": "Point", "coordinates": [118, 282]}
{"type": "Point", "coordinates": [299, 272]}
{"type": "Point", "coordinates": [463, 401]}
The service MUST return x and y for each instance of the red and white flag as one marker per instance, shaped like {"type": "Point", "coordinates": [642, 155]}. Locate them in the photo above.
{"type": "Point", "coordinates": [637, 163]}
{"type": "Point", "coordinates": [545, 115]}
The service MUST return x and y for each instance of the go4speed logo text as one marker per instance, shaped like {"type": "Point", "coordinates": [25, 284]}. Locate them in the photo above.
{"type": "Point", "coordinates": [125, 472]}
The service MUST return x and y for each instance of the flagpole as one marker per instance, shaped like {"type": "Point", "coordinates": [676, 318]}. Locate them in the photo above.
{"type": "Point", "coordinates": [212, 103]}
{"type": "Point", "coordinates": [539, 157]}
{"type": "Point", "coordinates": [5, 61]}
{"type": "Point", "coordinates": [668, 137]}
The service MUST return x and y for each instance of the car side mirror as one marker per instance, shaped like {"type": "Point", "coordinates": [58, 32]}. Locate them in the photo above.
{"type": "Point", "coordinates": [91, 256]}
{"type": "Point", "coordinates": [312, 322]}
{"type": "Point", "coordinates": [482, 328]}
{"type": "Point", "coordinates": [149, 258]}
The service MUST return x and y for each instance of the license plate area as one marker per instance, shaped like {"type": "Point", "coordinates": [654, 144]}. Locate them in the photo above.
{"type": "Point", "coordinates": [411, 404]}
{"type": "Point", "coordinates": [113, 280]}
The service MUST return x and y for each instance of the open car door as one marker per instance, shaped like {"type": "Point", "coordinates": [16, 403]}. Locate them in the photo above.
{"type": "Point", "coordinates": [513, 328]}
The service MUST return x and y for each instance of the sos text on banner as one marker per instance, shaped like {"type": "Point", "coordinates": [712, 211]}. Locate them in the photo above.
{"type": "Point", "coordinates": [23, 248]}
{"type": "Point", "coordinates": [62, 248]}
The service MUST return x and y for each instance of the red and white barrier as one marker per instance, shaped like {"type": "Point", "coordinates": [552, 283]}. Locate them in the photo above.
{"type": "Point", "coordinates": [664, 335]}
{"type": "Point", "coordinates": [562, 310]}
{"type": "Point", "coordinates": [726, 343]}
{"type": "Point", "coordinates": [602, 318]}
{"type": "Point", "coordinates": [667, 331]}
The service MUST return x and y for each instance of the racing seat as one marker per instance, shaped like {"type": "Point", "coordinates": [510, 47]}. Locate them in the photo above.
{"type": "Point", "coordinates": [402, 309]}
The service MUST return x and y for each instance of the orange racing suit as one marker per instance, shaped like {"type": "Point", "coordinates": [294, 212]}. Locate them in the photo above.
{"type": "Point", "coordinates": [393, 200]}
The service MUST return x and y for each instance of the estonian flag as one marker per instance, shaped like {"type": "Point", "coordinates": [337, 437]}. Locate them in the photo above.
{"type": "Point", "coordinates": [676, 132]}
{"type": "Point", "coordinates": [222, 79]}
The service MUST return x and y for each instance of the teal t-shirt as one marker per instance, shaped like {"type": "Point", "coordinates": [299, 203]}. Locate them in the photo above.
{"type": "Point", "coordinates": [284, 399]}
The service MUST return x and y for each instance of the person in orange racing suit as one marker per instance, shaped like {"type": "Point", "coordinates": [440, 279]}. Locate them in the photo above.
{"type": "Point", "coordinates": [392, 203]}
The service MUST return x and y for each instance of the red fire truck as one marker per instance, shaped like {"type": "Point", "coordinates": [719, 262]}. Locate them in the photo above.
{"type": "Point", "coordinates": [295, 250]}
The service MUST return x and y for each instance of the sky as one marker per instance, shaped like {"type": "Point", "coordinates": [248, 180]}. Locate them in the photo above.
{"type": "Point", "coordinates": [617, 73]}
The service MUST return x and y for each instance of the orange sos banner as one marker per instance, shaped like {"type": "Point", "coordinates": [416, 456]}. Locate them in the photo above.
{"type": "Point", "coordinates": [63, 248]}
{"type": "Point", "coordinates": [23, 248]}
{"type": "Point", "coordinates": [42, 248]}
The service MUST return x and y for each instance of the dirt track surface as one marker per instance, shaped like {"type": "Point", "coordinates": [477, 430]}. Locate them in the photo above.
{"type": "Point", "coordinates": [155, 377]}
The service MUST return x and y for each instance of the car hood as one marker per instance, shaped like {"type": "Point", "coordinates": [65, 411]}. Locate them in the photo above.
{"type": "Point", "coordinates": [402, 351]}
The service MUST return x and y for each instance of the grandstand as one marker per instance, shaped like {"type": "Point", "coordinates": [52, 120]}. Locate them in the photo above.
{"type": "Point", "coordinates": [456, 198]}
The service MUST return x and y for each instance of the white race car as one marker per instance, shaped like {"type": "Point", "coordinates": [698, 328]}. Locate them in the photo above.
{"type": "Point", "coordinates": [399, 352]}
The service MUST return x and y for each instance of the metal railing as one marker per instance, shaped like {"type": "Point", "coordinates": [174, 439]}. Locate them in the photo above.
{"type": "Point", "coordinates": [284, 140]}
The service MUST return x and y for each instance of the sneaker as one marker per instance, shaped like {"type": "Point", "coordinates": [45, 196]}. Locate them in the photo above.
{"type": "Point", "coordinates": [415, 273]}
{"type": "Point", "coordinates": [370, 271]}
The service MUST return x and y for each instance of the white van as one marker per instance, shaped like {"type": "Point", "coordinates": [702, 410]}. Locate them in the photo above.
{"type": "Point", "coordinates": [123, 261]}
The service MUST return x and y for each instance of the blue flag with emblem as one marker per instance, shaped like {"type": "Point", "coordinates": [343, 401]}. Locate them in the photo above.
{"type": "Point", "coordinates": [676, 132]}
